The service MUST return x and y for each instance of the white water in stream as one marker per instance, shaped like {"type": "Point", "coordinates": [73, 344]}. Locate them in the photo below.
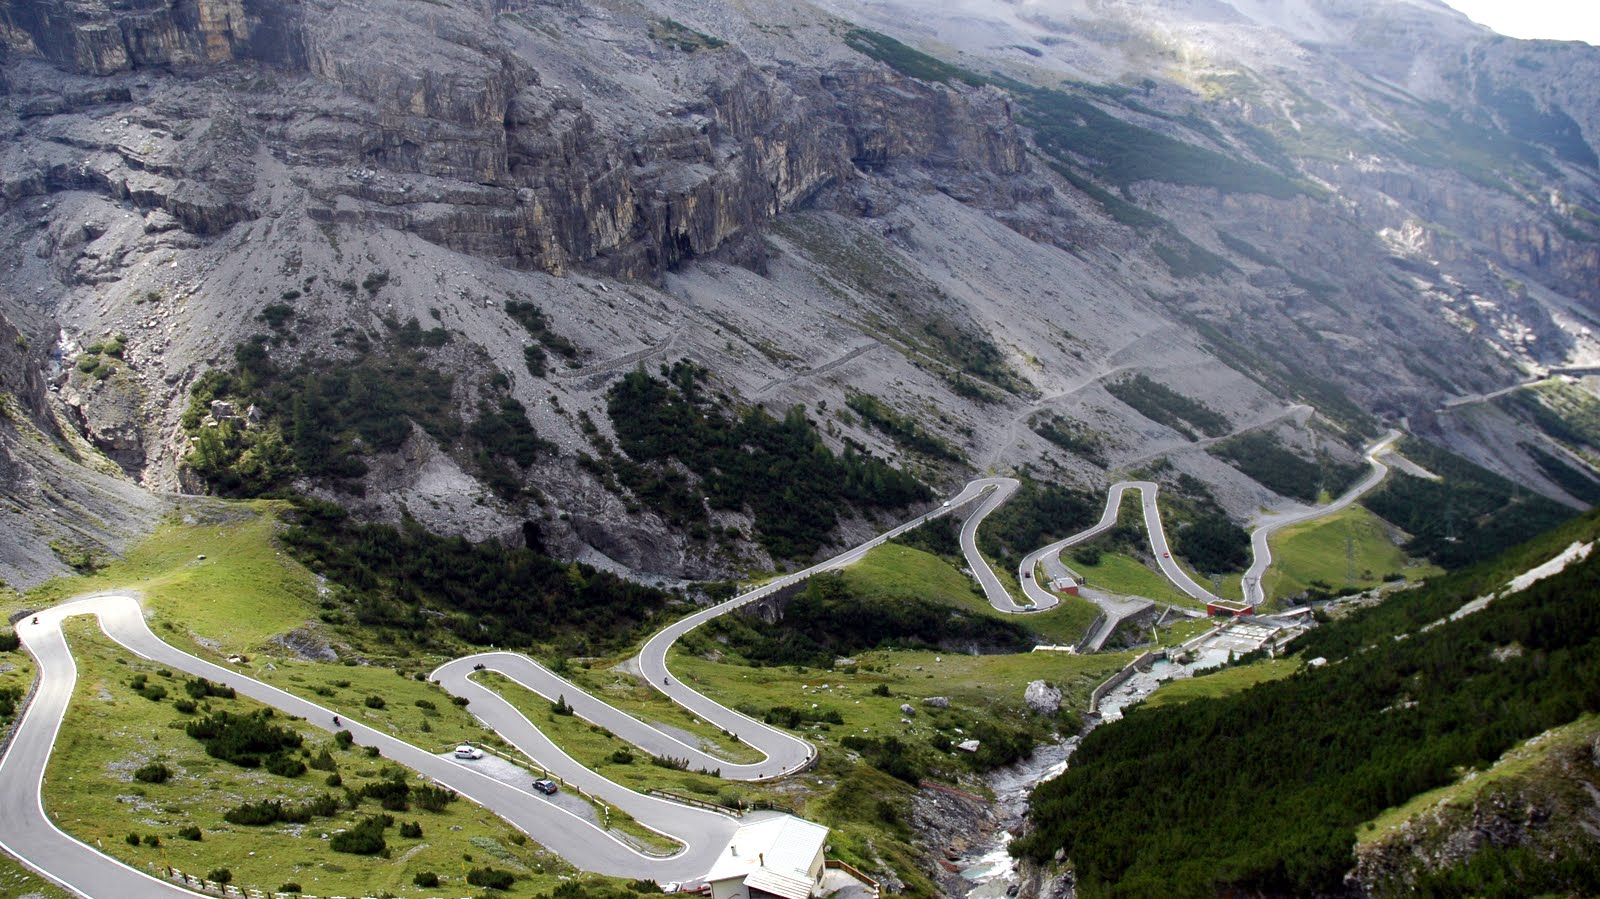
{"type": "Point", "coordinates": [990, 870]}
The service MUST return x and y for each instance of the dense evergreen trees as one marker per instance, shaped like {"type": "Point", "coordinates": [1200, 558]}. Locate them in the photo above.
{"type": "Point", "coordinates": [1270, 464]}
{"type": "Point", "coordinates": [1261, 792]}
{"type": "Point", "coordinates": [1160, 403]}
{"type": "Point", "coordinates": [824, 621]}
{"type": "Point", "coordinates": [1469, 514]}
{"type": "Point", "coordinates": [1035, 515]}
{"type": "Point", "coordinates": [320, 418]}
{"type": "Point", "coordinates": [778, 470]}
{"type": "Point", "coordinates": [410, 580]}
{"type": "Point", "coordinates": [1212, 543]}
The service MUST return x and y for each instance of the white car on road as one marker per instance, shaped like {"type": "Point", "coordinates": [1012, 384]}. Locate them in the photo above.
{"type": "Point", "coordinates": [468, 752]}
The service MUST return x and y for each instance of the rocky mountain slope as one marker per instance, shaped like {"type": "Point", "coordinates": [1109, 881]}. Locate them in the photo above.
{"type": "Point", "coordinates": [1538, 806]}
{"type": "Point", "coordinates": [1367, 210]}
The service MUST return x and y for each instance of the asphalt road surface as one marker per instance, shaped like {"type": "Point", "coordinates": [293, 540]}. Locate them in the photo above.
{"type": "Point", "coordinates": [1040, 599]}
{"type": "Point", "coordinates": [27, 832]}
{"type": "Point", "coordinates": [1254, 595]}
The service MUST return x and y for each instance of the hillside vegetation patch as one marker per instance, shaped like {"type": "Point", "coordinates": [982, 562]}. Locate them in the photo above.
{"type": "Point", "coordinates": [686, 453]}
{"type": "Point", "coordinates": [1264, 458]}
{"type": "Point", "coordinates": [321, 419]}
{"type": "Point", "coordinates": [1468, 515]}
{"type": "Point", "coordinates": [209, 814]}
{"type": "Point", "coordinates": [1163, 405]}
{"type": "Point", "coordinates": [1366, 732]}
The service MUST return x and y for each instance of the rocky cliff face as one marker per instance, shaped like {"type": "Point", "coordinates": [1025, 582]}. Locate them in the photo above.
{"type": "Point", "coordinates": [102, 38]}
{"type": "Point", "coordinates": [739, 185]}
{"type": "Point", "coordinates": [65, 505]}
{"type": "Point", "coordinates": [441, 124]}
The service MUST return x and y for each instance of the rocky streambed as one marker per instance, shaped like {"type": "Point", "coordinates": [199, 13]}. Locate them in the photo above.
{"type": "Point", "coordinates": [984, 866]}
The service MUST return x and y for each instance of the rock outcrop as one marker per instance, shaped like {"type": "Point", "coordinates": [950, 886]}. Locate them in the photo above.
{"type": "Point", "coordinates": [1547, 812]}
{"type": "Point", "coordinates": [99, 37]}
{"type": "Point", "coordinates": [1042, 698]}
{"type": "Point", "coordinates": [441, 124]}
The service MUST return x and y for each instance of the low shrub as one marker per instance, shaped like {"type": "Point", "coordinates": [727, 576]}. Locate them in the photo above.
{"type": "Point", "coordinates": [200, 688]}
{"type": "Point", "coordinates": [366, 838]}
{"type": "Point", "coordinates": [152, 773]}
{"type": "Point", "coordinates": [431, 798]}
{"type": "Point", "coordinates": [285, 765]}
{"type": "Point", "coordinates": [492, 878]}
{"type": "Point", "coordinates": [242, 739]}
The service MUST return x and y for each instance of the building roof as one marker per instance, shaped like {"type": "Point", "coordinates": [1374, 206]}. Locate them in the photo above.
{"type": "Point", "coordinates": [773, 855]}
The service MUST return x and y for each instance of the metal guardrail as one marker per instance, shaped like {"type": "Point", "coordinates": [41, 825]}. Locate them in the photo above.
{"type": "Point", "coordinates": [759, 805]}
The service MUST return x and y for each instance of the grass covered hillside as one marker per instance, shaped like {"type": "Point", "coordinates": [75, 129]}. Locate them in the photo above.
{"type": "Point", "coordinates": [1351, 548]}
{"type": "Point", "coordinates": [1262, 792]}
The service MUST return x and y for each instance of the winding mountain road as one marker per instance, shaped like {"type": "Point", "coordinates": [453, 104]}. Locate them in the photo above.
{"type": "Point", "coordinates": [27, 832]}
{"type": "Point", "coordinates": [1267, 525]}
{"type": "Point", "coordinates": [1040, 599]}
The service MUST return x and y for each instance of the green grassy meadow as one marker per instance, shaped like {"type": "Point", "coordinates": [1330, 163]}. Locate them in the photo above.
{"type": "Point", "coordinates": [986, 684]}
{"type": "Point", "coordinates": [1315, 551]}
{"type": "Point", "coordinates": [245, 591]}
{"type": "Point", "coordinates": [1127, 576]}
{"type": "Point", "coordinates": [1222, 683]}
{"type": "Point", "coordinates": [17, 880]}
{"type": "Point", "coordinates": [897, 572]}
{"type": "Point", "coordinates": [111, 730]}
{"type": "Point", "coordinates": [626, 691]}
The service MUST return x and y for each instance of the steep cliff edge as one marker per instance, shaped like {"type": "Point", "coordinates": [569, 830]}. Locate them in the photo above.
{"type": "Point", "coordinates": [755, 188]}
{"type": "Point", "coordinates": [102, 38]}
{"type": "Point", "coordinates": [65, 507]}
{"type": "Point", "coordinates": [1528, 823]}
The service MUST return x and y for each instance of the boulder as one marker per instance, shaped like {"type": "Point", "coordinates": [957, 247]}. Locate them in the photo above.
{"type": "Point", "coordinates": [937, 702]}
{"type": "Point", "coordinates": [907, 710]}
{"type": "Point", "coordinates": [1042, 698]}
